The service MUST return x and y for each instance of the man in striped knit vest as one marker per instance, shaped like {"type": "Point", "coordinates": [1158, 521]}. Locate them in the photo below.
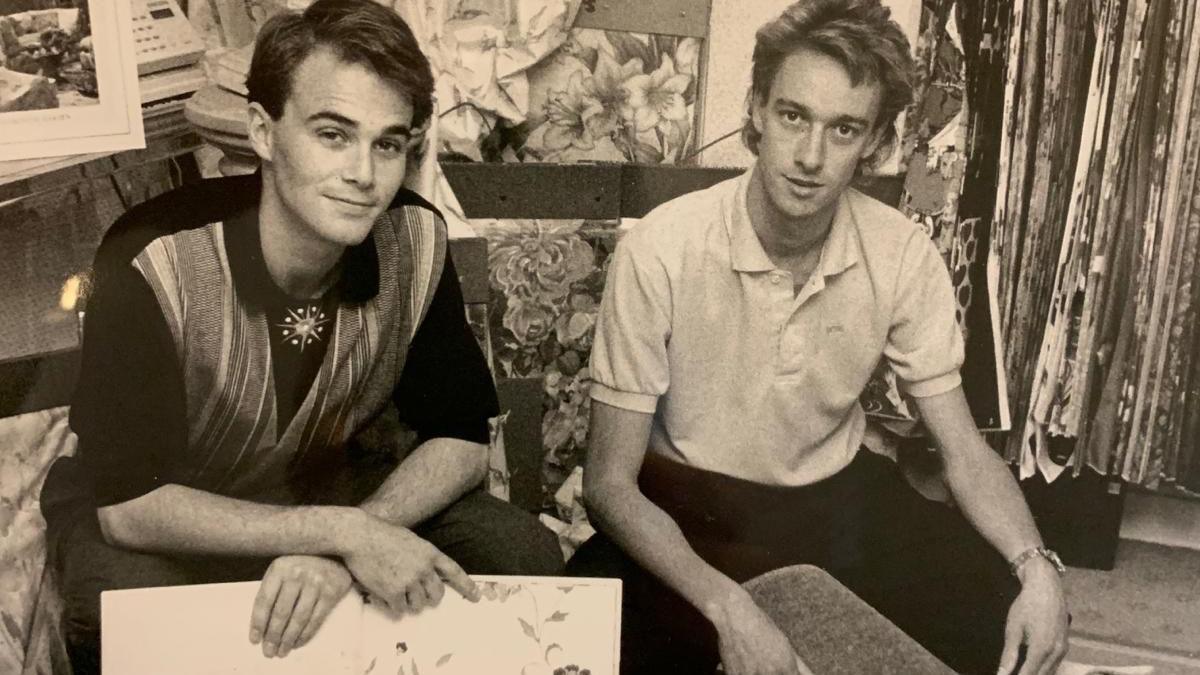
{"type": "Point", "coordinates": [242, 335]}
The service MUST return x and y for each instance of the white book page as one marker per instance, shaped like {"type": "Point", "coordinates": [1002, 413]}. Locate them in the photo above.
{"type": "Point", "coordinates": [522, 626]}
{"type": "Point", "coordinates": [194, 630]}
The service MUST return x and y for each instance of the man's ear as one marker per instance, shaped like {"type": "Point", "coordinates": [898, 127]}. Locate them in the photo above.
{"type": "Point", "coordinates": [260, 126]}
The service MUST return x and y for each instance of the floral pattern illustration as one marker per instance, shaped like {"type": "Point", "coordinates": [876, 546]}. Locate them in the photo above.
{"type": "Point", "coordinates": [608, 96]}
{"type": "Point", "coordinates": [546, 280]}
{"type": "Point", "coordinates": [532, 620]}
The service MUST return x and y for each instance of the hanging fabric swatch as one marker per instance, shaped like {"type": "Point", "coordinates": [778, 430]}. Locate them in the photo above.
{"type": "Point", "coordinates": [1099, 274]}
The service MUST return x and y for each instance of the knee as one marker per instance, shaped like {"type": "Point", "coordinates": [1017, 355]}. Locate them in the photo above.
{"type": "Point", "coordinates": [86, 569]}
{"type": "Point", "coordinates": [489, 536]}
{"type": "Point", "coordinates": [599, 557]}
{"type": "Point", "coordinates": [529, 548]}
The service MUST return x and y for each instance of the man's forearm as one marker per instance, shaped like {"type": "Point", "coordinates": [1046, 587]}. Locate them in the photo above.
{"type": "Point", "coordinates": [653, 539]}
{"type": "Point", "coordinates": [980, 481]}
{"type": "Point", "coordinates": [989, 497]}
{"type": "Point", "coordinates": [182, 520]}
{"type": "Point", "coordinates": [435, 475]}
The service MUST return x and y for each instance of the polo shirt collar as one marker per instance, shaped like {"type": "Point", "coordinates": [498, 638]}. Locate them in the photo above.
{"type": "Point", "coordinates": [746, 253]}
{"type": "Point", "coordinates": [359, 280]}
{"type": "Point", "coordinates": [841, 249]}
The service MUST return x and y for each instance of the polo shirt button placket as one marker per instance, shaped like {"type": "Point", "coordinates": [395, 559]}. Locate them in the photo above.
{"type": "Point", "coordinates": [780, 316]}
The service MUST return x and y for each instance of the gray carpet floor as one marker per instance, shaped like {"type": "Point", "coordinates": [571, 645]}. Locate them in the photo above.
{"type": "Point", "coordinates": [1088, 657]}
{"type": "Point", "coordinates": [1150, 600]}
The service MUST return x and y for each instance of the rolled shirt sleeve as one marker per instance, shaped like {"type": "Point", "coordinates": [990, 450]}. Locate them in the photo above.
{"type": "Point", "coordinates": [629, 363]}
{"type": "Point", "coordinates": [924, 344]}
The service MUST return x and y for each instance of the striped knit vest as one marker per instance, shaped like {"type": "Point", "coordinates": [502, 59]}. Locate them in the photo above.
{"type": "Point", "coordinates": [224, 348]}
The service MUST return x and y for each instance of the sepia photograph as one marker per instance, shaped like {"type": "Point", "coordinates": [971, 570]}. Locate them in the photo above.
{"type": "Point", "coordinates": [46, 57]}
{"type": "Point", "coordinates": [600, 337]}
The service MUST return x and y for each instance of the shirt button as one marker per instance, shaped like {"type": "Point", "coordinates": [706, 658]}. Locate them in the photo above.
{"type": "Point", "coordinates": [775, 278]}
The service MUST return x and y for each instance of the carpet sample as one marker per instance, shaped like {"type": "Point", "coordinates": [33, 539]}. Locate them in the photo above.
{"type": "Point", "coordinates": [834, 631]}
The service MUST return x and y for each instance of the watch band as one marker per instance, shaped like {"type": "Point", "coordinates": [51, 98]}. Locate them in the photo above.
{"type": "Point", "coordinates": [1025, 556]}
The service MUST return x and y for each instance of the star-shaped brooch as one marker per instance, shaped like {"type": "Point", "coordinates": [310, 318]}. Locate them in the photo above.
{"type": "Point", "coordinates": [303, 326]}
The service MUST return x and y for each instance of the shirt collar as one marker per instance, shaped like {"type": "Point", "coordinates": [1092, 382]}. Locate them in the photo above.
{"type": "Point", "coordinates": [841, 246]}
{"type": "Point", "coordinates": [746, 254]}
{"type": "Point", "coordinates": [359, 280]}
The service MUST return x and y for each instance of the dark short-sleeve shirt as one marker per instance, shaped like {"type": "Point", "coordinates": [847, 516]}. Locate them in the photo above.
{"type": "Point", "coordinates": [129, 409]}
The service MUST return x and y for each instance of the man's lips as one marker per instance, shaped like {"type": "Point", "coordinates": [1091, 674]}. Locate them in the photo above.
{"type": "Point", "coordinates": [800, 182]}
{"type": "Point", "coordinates": [351, 202]}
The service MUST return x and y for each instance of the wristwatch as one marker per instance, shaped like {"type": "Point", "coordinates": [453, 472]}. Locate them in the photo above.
{"type": "Point", "coordinates": [1052, 557]}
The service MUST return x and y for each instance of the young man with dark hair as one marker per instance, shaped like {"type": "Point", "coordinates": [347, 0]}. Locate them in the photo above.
{"type": "Point", "coordinates": [739, 326]}
{"type": "Point", "coordinates": [246, 336]}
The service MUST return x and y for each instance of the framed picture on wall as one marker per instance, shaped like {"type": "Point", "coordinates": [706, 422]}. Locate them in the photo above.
{"type": "Point", "coordinates": [68, 78]}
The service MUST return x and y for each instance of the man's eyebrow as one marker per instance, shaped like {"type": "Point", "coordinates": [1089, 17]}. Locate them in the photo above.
{"type": "Point", "coordinates": [851, 119]}
{"type": "Point", "coordinates": [840, 119]}
{"type": "Point", "coordinates": [332, 117]}
{"type": "Point", "coordinates": [329, 115]}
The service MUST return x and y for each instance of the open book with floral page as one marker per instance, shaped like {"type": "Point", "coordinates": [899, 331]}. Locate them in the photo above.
{"type": "Point", "coordinates": [520, 626]}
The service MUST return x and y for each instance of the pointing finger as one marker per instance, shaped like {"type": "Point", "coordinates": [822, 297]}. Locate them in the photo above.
{"type": "Point", "coordinates": [455, 576]}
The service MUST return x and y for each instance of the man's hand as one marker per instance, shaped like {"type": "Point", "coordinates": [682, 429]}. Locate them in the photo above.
{"type": "Point", "coordinates": [1038, 619]}
{"type": "Point", "coordinates": [750, 643]}
{"type": "Point", "coordinates": [401, 569]}
{"type": "Point", "coordinates": [297, 593]}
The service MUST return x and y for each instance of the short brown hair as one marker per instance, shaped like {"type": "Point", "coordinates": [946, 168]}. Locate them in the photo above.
{"type": "Point", "coordinates": [858, 34]}
{"type": "Point", "coordinates": [358, 31]}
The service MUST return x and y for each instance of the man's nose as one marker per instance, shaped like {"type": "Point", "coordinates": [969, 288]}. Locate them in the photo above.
{"type": "Point", "coordinates": [360, 167]}
{"type": "Point", "coordinates": [810, 151]}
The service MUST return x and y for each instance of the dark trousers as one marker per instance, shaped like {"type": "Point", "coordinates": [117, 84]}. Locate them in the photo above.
{"type": "Point", "coordinates": [917, 562]}
{"type": "Point", "coordinates": [483, 534]}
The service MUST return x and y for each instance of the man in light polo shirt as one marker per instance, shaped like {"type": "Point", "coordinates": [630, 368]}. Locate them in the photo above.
{"type": "Point", "coordinates": [739, 326]}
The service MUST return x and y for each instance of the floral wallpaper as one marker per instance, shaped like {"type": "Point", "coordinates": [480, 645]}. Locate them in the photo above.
{"type": "Point", "coordinates": [607, 96]}
{"type": "Point", "coordinates": [546, 280]}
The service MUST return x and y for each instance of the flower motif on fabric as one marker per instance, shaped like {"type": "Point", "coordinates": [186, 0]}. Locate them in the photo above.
{"type": "Point", "coordinates": [303, 326]}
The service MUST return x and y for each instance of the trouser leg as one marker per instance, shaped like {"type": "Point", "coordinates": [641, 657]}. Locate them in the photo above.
{"type": "Point", "coordinates": [85, 565]}
{"type": "Point", "coordinates": [486, 535]}
{"type": "Point", "coordinates": [915, 561]}
{"type": "Point", "coordinates": [921, 565]}
{"type": "Point", "coordinates": [660, 631]}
